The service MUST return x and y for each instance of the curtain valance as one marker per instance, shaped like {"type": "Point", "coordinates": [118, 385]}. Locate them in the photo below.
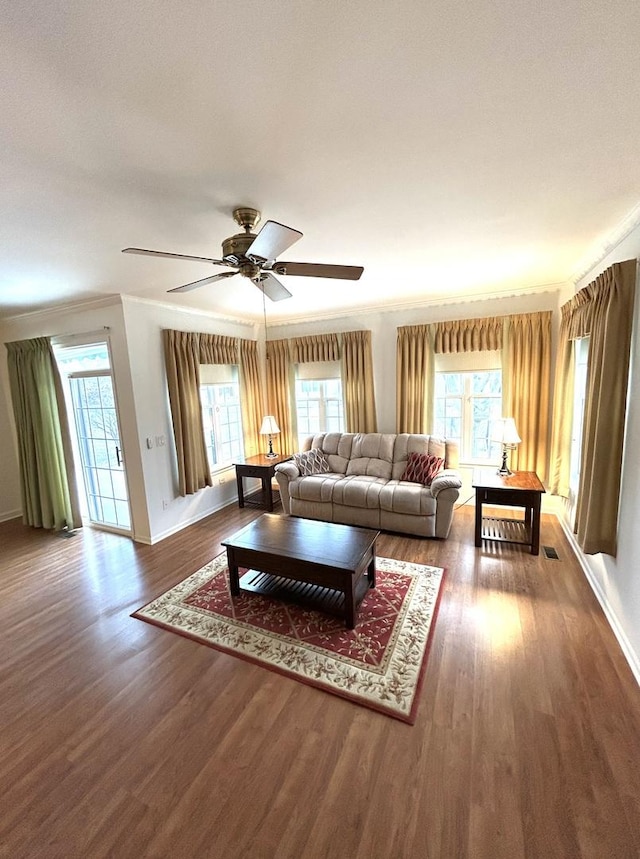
{"type": "Point", "coordinates": [468, 335]}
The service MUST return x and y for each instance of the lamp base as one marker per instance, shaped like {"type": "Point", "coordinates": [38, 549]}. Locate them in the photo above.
{"type": "Point", "coordinates": [270, 454]}
{"type": "Point", "coordinates": [504, 468]}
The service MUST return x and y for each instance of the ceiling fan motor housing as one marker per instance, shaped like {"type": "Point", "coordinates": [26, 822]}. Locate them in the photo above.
{"type": "Point", "coordinates": [235, 247]}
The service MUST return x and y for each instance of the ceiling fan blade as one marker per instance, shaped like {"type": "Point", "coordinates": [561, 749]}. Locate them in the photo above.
{"type": "Point", "coordinates": [272, 287]}
{"type": "Point", "coordinates": [198, 283]}
{"type": "Point", "coordinates": [311, 269]}
{"type": "Point", "coordinates": [146, 253]}
{"type": "Point", "coordinates": [271, 241]}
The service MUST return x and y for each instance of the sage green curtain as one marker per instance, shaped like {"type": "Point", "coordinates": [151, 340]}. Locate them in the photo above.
{"type": "Point", "coordinates": [357, 381]}
{"type": "Point", "coordinates": [182, 362]}
{"type": "Point", "coordinates": [414, 379]}
{"type": "Point", "coordinates": [47, 480]}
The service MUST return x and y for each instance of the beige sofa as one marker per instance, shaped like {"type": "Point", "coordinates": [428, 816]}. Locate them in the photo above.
{"type": "Point", "coordinates": [362, 485]}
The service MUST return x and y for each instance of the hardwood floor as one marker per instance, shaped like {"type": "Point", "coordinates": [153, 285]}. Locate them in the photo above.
{"type": "Point", "coordinates": [120, 739]}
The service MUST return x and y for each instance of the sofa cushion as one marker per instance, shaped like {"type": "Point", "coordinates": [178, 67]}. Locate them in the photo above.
{"type": "Point", "coordinates": [311, 462]}
{"type": "Point", "coordinates": [422, 468]}
{"type": "Point", "coordinates": [358, 491]}
{"type": "Point", "coordinates": [407, 499]}
{"type": "Point", "coordinates": [372, 455]}
{"type": "Point", "coordinates": [316, 487]}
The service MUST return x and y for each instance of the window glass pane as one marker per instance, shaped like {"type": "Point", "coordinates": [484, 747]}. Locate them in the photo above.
{"type": "Point", "coordinates": [222, 422]}
{"type": "Point", "coordinates": [319, 406]}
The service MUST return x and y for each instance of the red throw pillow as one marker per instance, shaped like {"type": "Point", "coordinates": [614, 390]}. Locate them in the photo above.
{"type": "Point", "coordinates": [422, 468]}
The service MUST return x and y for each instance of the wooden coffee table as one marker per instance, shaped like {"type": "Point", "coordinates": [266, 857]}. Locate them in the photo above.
{"type": "Point", "coordinates": [326, 566]}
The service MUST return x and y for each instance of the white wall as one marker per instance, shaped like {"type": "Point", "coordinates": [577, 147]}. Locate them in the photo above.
{"type": "Point", "coordinates": [616, 581]}
{"type": "Point", "coordinates": [144, 321]}
{"type": "Point", "coordinates": [133, 327]}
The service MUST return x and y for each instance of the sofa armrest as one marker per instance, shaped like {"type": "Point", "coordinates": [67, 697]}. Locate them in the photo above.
{"type": "Point", "coordinates": [445, 479]}
{"type": "Point", "coordinates": [285, 472]}
{"type": "Point", "coordinates": [288, 469]}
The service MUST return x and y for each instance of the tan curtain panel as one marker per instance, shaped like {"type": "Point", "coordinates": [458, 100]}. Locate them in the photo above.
{"type": "Point", "coordinates": [182, 362]}
{"type": "Point", "coordinates": [414, 379]}
{"type": "Point", "coordinates": [562, 421]}
{"type": "Point", "coordinates": [529, 388]}
{"type": "Point", "coordinates": [611, 297]}
{"type": "Point", "coordinates": [357, 382]}
{"type": "Point", "coordinates": [251, 396]}
{"type": "Point", "coordinates": [47, 479]}
{"type": "Point", "coordinates": [279, 392]}
{"type": "Point", "coordinates": [217, 349]}
{"type": "Point", "coordinates": [467, 335]}
{"type": "Point", "coordinates": [319, 347]}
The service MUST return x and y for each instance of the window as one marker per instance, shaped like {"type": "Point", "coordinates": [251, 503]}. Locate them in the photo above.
{"type": "Point", "coordinates": [221, 414]}
{"type": "Point", "coordinates": [581, 353]}
{"type": "Point", "coordinates": [318, 393]}
{"type": "Point", "coordinates": [466, 403]}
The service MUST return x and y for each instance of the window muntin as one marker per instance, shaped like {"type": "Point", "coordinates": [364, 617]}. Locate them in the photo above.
{"type": "Point", "coordinates": [466, 403]}
{"type": "Point", "coordinates": [319, 406]}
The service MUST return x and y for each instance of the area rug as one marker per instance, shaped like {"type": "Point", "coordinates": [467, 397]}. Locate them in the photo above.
{"type": "Point", "coordinates": [379, 664]}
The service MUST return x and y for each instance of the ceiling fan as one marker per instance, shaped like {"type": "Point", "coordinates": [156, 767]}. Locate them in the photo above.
{"type": "Point", "coordinates": [254, 256]}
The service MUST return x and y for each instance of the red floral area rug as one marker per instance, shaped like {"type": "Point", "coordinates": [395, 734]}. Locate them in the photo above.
{"type": "Point", "coordinates": [379, 664]}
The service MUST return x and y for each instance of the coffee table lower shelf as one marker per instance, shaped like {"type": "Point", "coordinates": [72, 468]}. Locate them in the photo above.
{"type": "Point", "coordinates": [305, 594]}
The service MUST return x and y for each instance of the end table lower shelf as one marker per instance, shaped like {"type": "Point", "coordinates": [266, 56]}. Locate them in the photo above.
{"type": "Point", "coordinates": [519, 489]}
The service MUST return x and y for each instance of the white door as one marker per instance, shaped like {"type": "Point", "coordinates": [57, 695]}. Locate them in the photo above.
{"type": "Point", "coordinates": [98, 436]}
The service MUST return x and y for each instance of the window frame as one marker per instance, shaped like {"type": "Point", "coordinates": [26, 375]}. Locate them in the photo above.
{"type": "Point", "coordinates": [466, 416]}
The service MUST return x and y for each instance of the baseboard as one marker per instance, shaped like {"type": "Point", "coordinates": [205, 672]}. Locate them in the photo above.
{"type": "Point", "coordinates": [629, 653]}
{"type": "Point", "coordinates": [10, 514]}
{"type": "Point", "coordinates": [184, 523]}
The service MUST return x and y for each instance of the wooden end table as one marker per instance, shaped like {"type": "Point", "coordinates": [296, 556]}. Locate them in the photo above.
{"type": "Point", "coordinates": [520, 489]}
{"type": "Point", "coordinates": [263, 467]}
{"type": "Point", "coordinates": [320, 564]}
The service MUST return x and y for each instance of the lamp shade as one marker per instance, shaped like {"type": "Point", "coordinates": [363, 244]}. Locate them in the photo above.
{"type": "Point", "coordinates": [269, 426]}
{"type": "Point", "coordinates": [504, 432]}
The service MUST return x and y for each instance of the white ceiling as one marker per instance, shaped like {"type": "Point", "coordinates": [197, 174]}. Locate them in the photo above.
{"type": "Point", "coordinates": [453, 149]}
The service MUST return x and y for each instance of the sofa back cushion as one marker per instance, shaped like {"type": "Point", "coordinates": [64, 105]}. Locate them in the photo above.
{"type": "Point", "coordinates": [336, 446]}
{"type": "Point", "coordinates": [372, 454]}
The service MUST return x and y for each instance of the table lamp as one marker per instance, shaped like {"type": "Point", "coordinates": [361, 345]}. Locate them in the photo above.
{"type": "Point", "coordinates": [269, 427]}
{"type": "Point", "coordinates": [504, 432]}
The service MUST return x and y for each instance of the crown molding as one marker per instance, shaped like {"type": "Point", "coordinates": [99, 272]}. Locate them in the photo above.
{"type": "Point", "coordinates": [62, 309]}
{"type": "Point", "coordinates": [421, 302]}
{"type": "Point", "coordinates": [602, 249]}
{"type": "Point", "coordinates": [192, 311]}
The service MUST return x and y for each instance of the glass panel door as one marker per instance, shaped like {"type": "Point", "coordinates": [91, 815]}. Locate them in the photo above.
{"type": "Point", "coordinates": [98, 434]}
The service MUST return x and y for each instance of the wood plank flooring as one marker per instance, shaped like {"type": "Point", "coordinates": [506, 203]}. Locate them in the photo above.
{"type": "Point", "coordinates": [120, 739]}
